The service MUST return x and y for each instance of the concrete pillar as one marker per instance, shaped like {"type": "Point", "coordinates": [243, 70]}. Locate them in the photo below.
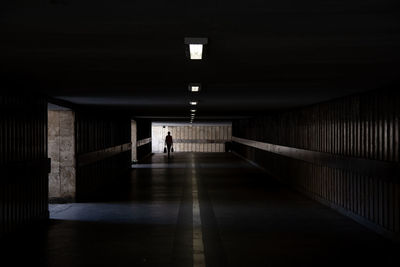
{"type": "Point", "coordinates": [61, 150]}
{"type": "Point", "coordinates": [134, 140]}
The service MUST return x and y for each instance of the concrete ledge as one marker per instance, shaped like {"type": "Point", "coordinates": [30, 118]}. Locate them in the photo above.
{"type": "Point", "coordinates": [91, 157]}
{"type": "Point", "coordinates": [388, 171]}
{"type": "Point", "coordinates": [143, 142]}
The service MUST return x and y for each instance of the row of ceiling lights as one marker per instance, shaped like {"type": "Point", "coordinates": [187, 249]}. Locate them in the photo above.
{"type": "Point", "coordinates": [195, 53]}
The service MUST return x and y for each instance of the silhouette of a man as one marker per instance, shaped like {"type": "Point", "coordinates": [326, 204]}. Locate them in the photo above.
{"type": "Point", "coordinates": [168, 142]}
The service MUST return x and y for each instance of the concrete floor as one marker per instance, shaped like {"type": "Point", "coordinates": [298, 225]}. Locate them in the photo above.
{"type": "Point", "coordinates": [247, 219]}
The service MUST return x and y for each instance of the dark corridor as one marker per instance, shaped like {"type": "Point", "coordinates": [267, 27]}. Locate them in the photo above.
{"type": "Point", "coordinates": [302, 96]}
{"type": "Point", "coordinates": [246, 219]}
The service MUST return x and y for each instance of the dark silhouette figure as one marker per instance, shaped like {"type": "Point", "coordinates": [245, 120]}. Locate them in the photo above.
{"type": "Point", "coordinates": [168, 142]}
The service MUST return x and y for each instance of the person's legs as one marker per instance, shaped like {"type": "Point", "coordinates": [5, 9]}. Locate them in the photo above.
{"type": "Point", "coordinates": [169, 149]}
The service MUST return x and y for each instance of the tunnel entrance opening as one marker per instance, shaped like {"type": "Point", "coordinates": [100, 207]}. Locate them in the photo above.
{"type": "Point", "coordinates": [61, 151]}
{"type": "Point", "coordinates": [195, 137]}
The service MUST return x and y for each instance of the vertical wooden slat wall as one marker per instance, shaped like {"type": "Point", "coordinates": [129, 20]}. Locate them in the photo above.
{"type": "Point", "coordinates": [200, 138]}
{"type": "Point", "coordinates": [94, 132]}
{"type": "Point", "coordinates": [143, 132]}
{"type": "Point", "coordinates": [364, 126]}
{"type": "Point", "coordinates": [23, 161]}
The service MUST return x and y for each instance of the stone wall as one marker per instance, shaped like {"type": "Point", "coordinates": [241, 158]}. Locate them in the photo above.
{"type": "Point", "coordinates": [61, 141]}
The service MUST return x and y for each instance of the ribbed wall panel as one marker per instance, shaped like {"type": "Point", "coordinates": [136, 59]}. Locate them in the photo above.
{"type": "Point", "coordinates": [96, 132]}
{"type": "Point", "coordinates": [211, 137]}
{"type": "Point", "coordinates": [363, 126]}
{"type": "Point", "coordinates": [200, 138]}
{"type": "Point", "coordinates": [143, 132]}
{"type": "Point", "coordinates": [23, 161]}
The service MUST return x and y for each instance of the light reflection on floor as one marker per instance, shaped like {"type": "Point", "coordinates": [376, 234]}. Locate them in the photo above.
{"type": "Point", "coordinates": [189, 165]}
{"type": "Point", "coordinates": [133, 213]}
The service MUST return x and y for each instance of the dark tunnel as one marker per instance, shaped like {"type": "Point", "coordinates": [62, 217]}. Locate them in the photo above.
{"type": "Point", "coordinates": [199, 133]}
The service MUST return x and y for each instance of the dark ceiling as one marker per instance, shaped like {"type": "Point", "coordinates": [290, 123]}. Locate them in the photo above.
{"type": "Point", "coordinates": [262, 55]}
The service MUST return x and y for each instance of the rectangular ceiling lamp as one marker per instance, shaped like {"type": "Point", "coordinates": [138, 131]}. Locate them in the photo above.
{"type": "Point", "coordinates": [193, 103]}
{"type": "Point", "coordinates": [196, 51]}
{"type": "Point", "coordinates": [196, 47]}
{"type": "Point", "coordinates": [194, 87]}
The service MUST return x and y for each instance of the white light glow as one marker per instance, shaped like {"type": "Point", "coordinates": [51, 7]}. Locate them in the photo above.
{"type": "Point", "coordinates": [196, 51]}
{"type": "Point", "coordinates": [192, 110]}
{"type": "Point", "coordinates": [194, 88]}
{"type": "Point", "coordinates": [193, 103]}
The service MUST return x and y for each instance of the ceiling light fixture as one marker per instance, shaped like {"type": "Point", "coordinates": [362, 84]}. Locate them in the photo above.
{"type": "Point", "coordinates": [196, 47]}
{"type": "Point", "coordinates": [194, 87]}
{"type": "Point", "coordinates": [193, 103]}
{"type": "Point", "coordinates": [196, 51]}
{"type": "Point", "coordinates": [192, 110]}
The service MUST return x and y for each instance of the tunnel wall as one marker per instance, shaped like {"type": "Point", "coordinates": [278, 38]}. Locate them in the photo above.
{"type": "Point", "coordinates": [197, 137]}
{"type": "Point", "coordinates": [143, 138]}
{"type": "Point", "coordinates": [24, 165]}
{"type": "Point", "coordinates": [103, 148]}
{"type": "Point", "coordinates": [343, 153]}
